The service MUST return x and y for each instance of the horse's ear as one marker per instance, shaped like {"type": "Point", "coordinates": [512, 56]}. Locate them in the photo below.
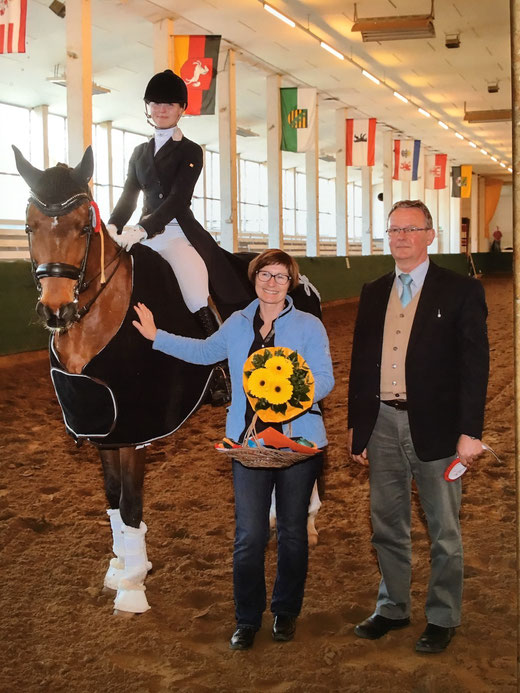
{"type": "Point", "coordinates": [29, 173]}
{"type": "Point", "coordinates": [84, 170]}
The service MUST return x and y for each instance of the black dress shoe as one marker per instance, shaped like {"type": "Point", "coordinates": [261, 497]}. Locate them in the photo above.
{"type": "Point", "coordinates": [284, 628]}
{"type": "Point", "coordinates": [434, 639]}
{"type": "Point", "coordinates": [376, 626]}
{"type": "Point", "coordinates": [243, 638]}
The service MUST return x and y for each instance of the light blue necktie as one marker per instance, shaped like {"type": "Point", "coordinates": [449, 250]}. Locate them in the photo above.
{"type": "Point", "coordinates": [406, 296]}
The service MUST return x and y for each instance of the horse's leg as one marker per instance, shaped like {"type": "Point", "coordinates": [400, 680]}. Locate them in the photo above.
{"type": "Point", "coordinates": [130, 595]}
{"type": "Point", "coordinates": [314, 506]}
{"type": "Point", "coordinates": [112, 476]}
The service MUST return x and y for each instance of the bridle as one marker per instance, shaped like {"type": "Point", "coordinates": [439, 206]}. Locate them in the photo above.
{"type": "Point", "coordinates": [62, 269]}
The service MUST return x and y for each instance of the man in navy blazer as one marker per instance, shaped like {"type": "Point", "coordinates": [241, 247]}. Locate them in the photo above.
{"type": "Point", "coordinates": [417, 393]}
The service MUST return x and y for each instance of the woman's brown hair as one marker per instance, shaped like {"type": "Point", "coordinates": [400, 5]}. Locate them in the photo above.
{"type": "Point", "coordinates": [275, 256]}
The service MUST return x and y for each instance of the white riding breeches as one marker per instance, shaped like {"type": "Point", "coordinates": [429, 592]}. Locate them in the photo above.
{"type": "Point", "coordinates": [188, 266]}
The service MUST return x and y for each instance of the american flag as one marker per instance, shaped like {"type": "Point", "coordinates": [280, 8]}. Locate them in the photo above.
{"type": "Point", "coordinates": [13, 17]}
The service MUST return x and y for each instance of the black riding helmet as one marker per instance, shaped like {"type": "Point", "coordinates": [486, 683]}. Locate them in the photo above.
{"type": "Point", "coordinates": [166, 87]}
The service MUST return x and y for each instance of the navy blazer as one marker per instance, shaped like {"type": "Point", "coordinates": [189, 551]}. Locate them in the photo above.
{"type": "Point", "coordinates": [446, 367]}
{"type": "Point", "coordinates": [167, 180]}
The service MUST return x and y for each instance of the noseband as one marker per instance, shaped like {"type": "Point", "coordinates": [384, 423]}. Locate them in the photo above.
{"type": "Point", "coordinates": [62, 269]}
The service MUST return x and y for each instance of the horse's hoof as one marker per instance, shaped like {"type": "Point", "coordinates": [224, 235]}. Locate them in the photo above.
{"type": "Point", "coordinates": [313, 540]}
{"type": "Point", "coordinates": [124, 614]}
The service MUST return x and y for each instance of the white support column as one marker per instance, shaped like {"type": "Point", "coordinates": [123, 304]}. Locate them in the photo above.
{"type": "Point", "coordinates": [341, 184]}
{"type": "Point", "coordinates": [274, 163]}
{"type": "Point", "coordinates": [455, 217]}
{"type": "Point", "coordinates": [366, 205]}
{"type": "Point", "coordinates": [443, 230]}
{"type": "Point", "coordinates": [388, 200]}
{"type": "Point", "coordinates": [430, 200]}
{"type": "Point", "coordinates": [312, 193]}
{"type": "Point", "coordinates": [40, 136]}
{"type": "Point", "coordinates": [473, 227]}
{"type": "Point", "coordinates": [79, 78]}
{"type": "Point", "coordinates": [226, 86]}
{"type": "Point", "coordinates": [163, 45]}
{"type": "Point", "coordinates": [483, 242]}
{"type": "Point", "coordinates": [405, 189]}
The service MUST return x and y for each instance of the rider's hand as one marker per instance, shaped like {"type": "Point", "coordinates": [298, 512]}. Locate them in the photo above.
{"type": "Point", "coordinates": [146, 326]}
{"type": "Point", "coordinates": [130, 235]}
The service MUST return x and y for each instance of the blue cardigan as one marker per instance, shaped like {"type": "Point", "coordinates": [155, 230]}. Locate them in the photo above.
{"type": "Point", "coordinates": [293, 329]}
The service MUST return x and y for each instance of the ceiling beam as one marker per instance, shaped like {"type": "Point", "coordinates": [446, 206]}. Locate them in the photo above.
{"type": "Point", "coordinates": [492, 116]}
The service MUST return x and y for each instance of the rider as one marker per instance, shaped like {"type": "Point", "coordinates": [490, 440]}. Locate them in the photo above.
{"type": "Point", "coordinates": [166, 170]}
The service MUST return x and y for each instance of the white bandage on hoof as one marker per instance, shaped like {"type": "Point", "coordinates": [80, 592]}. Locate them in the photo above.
{"type": "Point", "coordinates": [114, 573]}
{"type": "Point", "coordinates": [131, 597]}
{"type": "Point", "coordinates": [130, 590]}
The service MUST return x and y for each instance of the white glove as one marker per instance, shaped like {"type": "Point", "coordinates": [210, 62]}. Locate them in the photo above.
{"type": "Point", "coordinates": [112, 231]}
{"type": "Point", "coordinates": [130, 235]}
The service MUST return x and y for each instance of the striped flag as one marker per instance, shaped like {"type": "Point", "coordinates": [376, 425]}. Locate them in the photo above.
{"type": "Point", "coordinates": [406, 159]}
{"type": "Point", "coordinates": [195, 59]}
{"type": "Point", "coordinates": [461, 181]}
{"type": "Point", "coordinates": [13, 18]}
{"type": "Point", "coordinates": [298, 118]}
{"type": "Point", "coordinates": [361, 141]}
{"type": "Point", "coordinates": [435, 171]}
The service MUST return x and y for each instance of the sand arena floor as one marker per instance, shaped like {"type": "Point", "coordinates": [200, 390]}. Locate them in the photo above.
{"type": "Point", "coordinates": [58, 631]}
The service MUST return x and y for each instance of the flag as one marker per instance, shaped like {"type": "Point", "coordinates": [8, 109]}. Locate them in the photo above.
{"type": "Point", "coordinates": [361, 141]}
{"type": "Point", "coordinates": [298, 118]}
{"type": "Point", "coordinates": [461, 181]}
{"type": "Point", "coordinates": [195, 59]}
{"type": "Point", "coordinates": [406, 159]}
{"type": "Point", "coordinates": [435, 171]}
{"type": "Point", "coordinates": [13, 18]}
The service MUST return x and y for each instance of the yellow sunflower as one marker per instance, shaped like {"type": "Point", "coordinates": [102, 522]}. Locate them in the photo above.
{"type": "Point", "coordinates": [280, 365]}
{"type": "Point", "coordinates": [279, 390]}
{"type": "Point", "coordinates": [259, 382]}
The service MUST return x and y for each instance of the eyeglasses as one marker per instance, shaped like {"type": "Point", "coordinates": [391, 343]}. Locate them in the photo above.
{"type": "Point", "coordinates": [394, 230]}
{"type": "Point", "coordinates": [265, 276]}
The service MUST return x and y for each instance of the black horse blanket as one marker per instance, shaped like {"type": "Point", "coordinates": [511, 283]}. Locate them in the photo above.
{"type": "Point", "coordinates": [129, 394]}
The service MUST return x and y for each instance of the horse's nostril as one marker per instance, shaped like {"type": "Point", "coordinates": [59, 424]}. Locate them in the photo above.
{"type": "Point", "coordinates": [61, 319]}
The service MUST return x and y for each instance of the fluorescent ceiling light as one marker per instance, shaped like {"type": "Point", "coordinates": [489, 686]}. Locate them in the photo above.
{"type": "Point", "coordinates": [332, 50]}
{"type": "Point", "coordinates": [443, 125]}
{"type": "Point", "coordinates": [400, 97]}
{"type": "Point", "coordinates": [510, 169]}
{"type": "Point", "coordinates": [483, 151]}
{"type": "Point", "coordinates": [502, 164]}
{"type": "Point", "coordinates": [494, 158]}
{"type": "Point", "coordinates": [369, 76]}
{"type": "Point", "coordinates": [279, 15]}
{"type": "Point", "coordinates": [457, 134]}
{"type": "Point", "coordinates": [246, 132]}
{"type": "Point", "coordinates": [424, 113]}
{"type": "Point", "coordinates": [472, 144]}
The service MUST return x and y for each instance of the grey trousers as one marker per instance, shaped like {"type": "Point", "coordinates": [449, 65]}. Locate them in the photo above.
{"type": "Point", "coordinates": [393, 464]}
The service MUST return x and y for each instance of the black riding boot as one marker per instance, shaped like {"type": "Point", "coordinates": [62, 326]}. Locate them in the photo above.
{"type": "Point", "coordinates": [220, 385]}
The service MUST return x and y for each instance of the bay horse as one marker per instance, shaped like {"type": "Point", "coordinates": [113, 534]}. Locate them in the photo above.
{"type": "Point", "coordinates": [113, 388]}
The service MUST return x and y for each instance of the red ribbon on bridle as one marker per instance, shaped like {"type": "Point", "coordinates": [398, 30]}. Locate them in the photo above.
{"type": "Point", "coordinates": [96, 217]}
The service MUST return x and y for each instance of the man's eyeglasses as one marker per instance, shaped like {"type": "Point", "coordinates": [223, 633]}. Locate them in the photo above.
{"type": "Point", "coordinates": [265, 276]}
{"type": "Point", "coordinates": [394, 230]}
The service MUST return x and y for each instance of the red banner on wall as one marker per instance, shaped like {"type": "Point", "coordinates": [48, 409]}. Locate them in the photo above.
{"type": "Point", "coordinates": [13, 18]}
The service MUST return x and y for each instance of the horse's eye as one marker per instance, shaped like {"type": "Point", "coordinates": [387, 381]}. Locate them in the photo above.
{"type": "Point", "coordinates": [85, 230]}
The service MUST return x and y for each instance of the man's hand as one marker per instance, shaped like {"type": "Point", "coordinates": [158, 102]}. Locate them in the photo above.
{"type": "Point", "coordinates": [146, 326]}
{"type": "Point", "coordinates": [130, 235]}
{"type": "Point", "coordinates": [360, 459]}
{"type": "Point", "coordinates": [468, 449]}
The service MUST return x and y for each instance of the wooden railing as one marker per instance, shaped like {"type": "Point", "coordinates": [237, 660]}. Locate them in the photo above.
{"type": "Point", "coordinates": [14, 243]}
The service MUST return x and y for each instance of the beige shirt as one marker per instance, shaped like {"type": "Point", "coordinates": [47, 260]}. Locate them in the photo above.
{"type": "Point", "coordinates": [398, 325]}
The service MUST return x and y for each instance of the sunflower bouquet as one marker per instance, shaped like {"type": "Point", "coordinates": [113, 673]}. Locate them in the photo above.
{"type": "Point", "coordinates": [278, 383]}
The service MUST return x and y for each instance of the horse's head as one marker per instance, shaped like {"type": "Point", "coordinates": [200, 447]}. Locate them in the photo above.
{"type": "Point", "coordinates": [59, 225]}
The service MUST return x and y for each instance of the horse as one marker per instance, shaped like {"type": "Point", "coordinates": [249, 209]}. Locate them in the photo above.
{"type": "Point", "coordinates": [113, 388]}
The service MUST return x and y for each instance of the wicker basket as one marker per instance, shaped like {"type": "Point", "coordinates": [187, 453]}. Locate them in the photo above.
{"type": "Point", "coordinates": [262, 457]}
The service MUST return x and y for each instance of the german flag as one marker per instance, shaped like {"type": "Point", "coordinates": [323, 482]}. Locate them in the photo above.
{"type": "Point", "coordinates": [196, 61]}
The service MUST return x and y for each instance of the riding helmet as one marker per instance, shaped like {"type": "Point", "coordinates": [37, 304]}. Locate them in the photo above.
{"type": "Point", "coordinates": [166, 87]}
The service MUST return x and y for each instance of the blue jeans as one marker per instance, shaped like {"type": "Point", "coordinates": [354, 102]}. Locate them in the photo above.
{"type": "Point", "coordinates": [253, 489]}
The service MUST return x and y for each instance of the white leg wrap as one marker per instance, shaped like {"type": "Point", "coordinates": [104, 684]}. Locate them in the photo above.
{"type": "Point", "coordinates": [130, 592]}
{"type": "Point", "coordinates": [115, 569]}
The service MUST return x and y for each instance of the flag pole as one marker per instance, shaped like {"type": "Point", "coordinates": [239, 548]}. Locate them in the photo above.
{"type": "Point", "coordinates": [515, 95]}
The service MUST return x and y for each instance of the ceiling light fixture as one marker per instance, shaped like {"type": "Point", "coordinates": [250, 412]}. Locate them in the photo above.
{"type": "Point", "coordinates": [332, 50]}
{"type": "Point", "coordinates": [510, 169]}
{"type": "Point", "coordinates": [394, 28]}
{"type": "Point", "coordinates": [424, 113]}
{"type": "Point", "coordinates": [369, 76]}
{"type": "Point", "coordinates": [246, 132]}
{"type": "Point", "coordinates": [483, 151]}
{"type": "Point", "coordinates": [493, 158]}
{"type": "Point", "coordinates": [443, 125]}
{"type": "Point", "coordinates": [279, 15]}
{"type": "Point", "coordinates": [472, 144]}
{"type": "Point", "coordinates": [400, 97]}
{"type": "Point", "coordinates": [457, 134]}
{"type": "Point", "coordinates": [502, 164]}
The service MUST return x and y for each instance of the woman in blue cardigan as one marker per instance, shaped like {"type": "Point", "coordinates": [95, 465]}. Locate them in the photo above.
{"type": "Point", "coordinates": [270, 320]}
